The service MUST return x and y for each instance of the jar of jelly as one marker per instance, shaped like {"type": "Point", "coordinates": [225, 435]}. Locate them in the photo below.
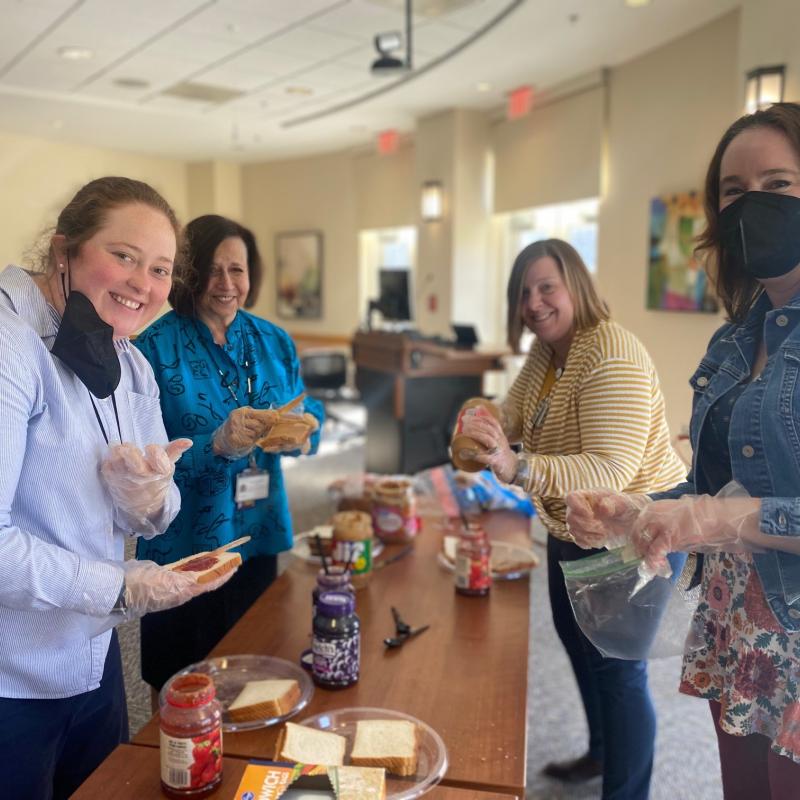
{"type": "Point", "coordinates": [336, 641]}
{"type": "Point", "coordinates": [336, 579]}
{"type": "Point", "coordinates": [394, 511]}
{"type": "Point", "coordinates": [473, 569]}
{"type": "Point", "coordinates": [191, 737]}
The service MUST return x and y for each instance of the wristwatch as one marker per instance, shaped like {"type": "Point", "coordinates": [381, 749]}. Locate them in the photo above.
{"type": "Point", "coordinates": [121, 605]}
{"type": "Point", "coordinates": [522, 473]}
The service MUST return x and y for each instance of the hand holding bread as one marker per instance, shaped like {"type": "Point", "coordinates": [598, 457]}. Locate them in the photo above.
{"type": "Point", "coordinates": [237, 436]}
{"type": "Point", "coordinates": [137, 480]}
{"type": "Point", "coordinates": [152, 587]}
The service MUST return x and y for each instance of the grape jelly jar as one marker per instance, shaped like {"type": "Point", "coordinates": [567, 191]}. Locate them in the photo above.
{"type": "Point", "coordinates": [336, 579]}
{"type": "Point", "coordinates": [191, 737]}
{"type": "Point", "coordinates": [336, 641]}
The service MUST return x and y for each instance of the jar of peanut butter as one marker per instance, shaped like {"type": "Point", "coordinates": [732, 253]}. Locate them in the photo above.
{"type": "Point", "coordinates": [394, 510]}
{"type": "Point", "coordinates": [463, 449]}
{"type": "Point", "coordinates": [352, 545]}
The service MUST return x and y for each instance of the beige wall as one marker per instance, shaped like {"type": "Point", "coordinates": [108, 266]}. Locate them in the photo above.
{"type": "Point", "coordinates": [308, 194]}
{"type": "Point", "coordinates": [667, 111]}
{"type": "Point", "coordinates": [39, 176]}
{"type": "Point", "coordinates": [551, 156]}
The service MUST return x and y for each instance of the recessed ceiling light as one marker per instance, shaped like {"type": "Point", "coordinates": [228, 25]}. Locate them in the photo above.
{"type": "Point", "coordinates": [483, 86]}
{"type": "Point", "coordinates": [131, 83]}
{"type": "Point", "coordinates": [75, 53]}
{"type": "Point", "coordinates": [636, 3]}
{"type": "Point", "coordinates": [304, 90]}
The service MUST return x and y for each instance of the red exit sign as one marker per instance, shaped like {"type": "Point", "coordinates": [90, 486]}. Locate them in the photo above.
{"type": "Point", "coordinates": [520, 102]}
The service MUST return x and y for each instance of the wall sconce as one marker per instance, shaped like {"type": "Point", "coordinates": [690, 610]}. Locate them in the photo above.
{"type": "Point", "coordinates": [763, 87]}
{"type": "Point", "coordinates": [432, 201]}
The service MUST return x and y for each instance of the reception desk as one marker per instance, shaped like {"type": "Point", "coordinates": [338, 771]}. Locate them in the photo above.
{"type": "Point", "coordinates": [412, 389]}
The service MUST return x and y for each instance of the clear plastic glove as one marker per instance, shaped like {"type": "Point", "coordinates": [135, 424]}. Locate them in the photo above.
{"type": "Point", "coordinates": [695, 523]}
{"type": "Point", "coordinates": [603, 518]}
{"type": "Point", "coordinates": [488, 432]}
{"type": "Point", "coordinates": [137, 480]}
{"type": "Point", "coordinates": [151, 587]}
{"type": "Point", "coordinates": [237, 436]}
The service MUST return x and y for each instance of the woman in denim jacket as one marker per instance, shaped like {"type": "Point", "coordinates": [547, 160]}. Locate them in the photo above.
{"type": "Point", "coordinates": [745, 427]}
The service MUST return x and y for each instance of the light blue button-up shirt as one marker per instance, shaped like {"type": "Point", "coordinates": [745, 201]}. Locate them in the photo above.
{"type": "Point", "coordinates": [59, 532]}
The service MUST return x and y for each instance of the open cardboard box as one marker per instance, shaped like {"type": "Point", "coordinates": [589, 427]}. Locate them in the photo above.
{"type": "Point", "coordinates": [270, 780]}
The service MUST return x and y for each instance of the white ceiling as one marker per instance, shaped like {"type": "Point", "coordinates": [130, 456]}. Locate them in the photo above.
{"type": "Point", "coordinates": [291, 59]}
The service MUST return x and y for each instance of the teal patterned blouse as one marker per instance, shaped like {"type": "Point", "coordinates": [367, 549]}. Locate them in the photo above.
{"type": "Point", "coordinates": [200, 383]}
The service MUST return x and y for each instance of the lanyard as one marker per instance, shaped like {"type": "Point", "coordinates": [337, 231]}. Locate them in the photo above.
{"type": "Point", "coordinates": [100, 421]}
{"type": "Point", "coordinates": [226, 384]}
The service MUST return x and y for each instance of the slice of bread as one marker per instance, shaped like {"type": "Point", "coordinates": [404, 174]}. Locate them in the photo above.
{"type": "Point", "coordinates": [264, 700]}
{"type": "Point", "coordinates": [304, 745]}
{"type": "Point", "coordinates": [207, 566]}
{"type": "Point", "coordinates": [358, 783]}
{"type": "Point", "coordinates": [389, 743]}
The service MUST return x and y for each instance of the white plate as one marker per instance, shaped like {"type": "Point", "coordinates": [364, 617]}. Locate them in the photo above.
{"type": "Point", "coordinates": [302, 544]}
{"type": "Point", "coordinates": [504, 555]}
{"type": "Point", "coordinates": [231, 673]}
{"type": "Point", "coordinates": [432, 754]}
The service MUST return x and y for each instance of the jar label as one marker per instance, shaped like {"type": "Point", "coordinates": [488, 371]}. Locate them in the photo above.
{"type": "Point", "coordinates": [390, 522]}
{"type": "Point", "coordinates": [191, 763]}
{"type": "Point", "coordinates": [336, 661]}
{"type": "Point", "coordinates": [357, 554]}
{"type": "Point", "coordinates": [473, 573]}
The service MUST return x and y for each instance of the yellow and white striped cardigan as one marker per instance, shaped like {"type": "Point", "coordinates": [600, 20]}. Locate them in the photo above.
{"type": "Point", "coordinates": [605, 427]}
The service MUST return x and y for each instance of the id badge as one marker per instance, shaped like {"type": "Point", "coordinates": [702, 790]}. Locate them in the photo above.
{"type": "Point", "coordinates": [252, 484]}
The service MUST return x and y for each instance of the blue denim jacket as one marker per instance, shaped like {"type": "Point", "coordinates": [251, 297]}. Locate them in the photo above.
{"type": "Point", "coordinates": [764, 437]}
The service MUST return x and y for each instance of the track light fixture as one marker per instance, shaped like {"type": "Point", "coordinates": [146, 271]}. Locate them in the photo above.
{"type": "Point", "coordinates": [388, 43]}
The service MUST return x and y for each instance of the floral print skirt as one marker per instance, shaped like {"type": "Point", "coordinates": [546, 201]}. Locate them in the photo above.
{"type": "Point", "coordinates": [748, 663]}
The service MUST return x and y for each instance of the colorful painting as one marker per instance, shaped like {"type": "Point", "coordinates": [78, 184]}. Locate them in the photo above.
{"type": "Point", "coordinates": [676, 279]}
{"type": "Point", "coordinates": [298, 257]}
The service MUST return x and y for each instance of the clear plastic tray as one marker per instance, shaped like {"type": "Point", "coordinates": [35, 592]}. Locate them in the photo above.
{"type": "Point", "coordinates": [231, 673]}
{"type": "Point", "coordinates": [432, 754]}
{"type": "Point", "coordinates": [302, 544]}
{"type": "Point", "coordinates": [509, 561]}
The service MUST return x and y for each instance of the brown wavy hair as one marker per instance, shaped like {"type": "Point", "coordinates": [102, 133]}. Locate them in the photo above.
{"type": "Point", "coordinates": [736, 289]}
{"type": "Point", "coordinates": [590, 308]}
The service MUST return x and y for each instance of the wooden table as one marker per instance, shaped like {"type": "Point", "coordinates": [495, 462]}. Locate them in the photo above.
{"type": "Point", "coordinates": [133, 773]}
{"type": "Point", "coordinates": [466, 676]}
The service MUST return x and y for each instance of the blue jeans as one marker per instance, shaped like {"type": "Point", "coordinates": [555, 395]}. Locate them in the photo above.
{"type": "Point", "coordinates": [619, 711]}
{"type": "Point", "coordinates": [49, 747]}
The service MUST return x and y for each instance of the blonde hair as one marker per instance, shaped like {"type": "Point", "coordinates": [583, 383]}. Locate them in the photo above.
{"type": "Point", "coordinates": [590, 308]}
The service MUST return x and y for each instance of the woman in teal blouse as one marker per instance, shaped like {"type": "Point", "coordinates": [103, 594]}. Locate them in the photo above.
{"type": "Point", "coordinates": [213, 361]}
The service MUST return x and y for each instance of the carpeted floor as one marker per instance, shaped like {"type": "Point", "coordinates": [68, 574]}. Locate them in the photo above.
{"type": "Point", "coordinates": [686, 754]}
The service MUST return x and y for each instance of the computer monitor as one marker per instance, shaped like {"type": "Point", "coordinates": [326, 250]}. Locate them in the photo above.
{"type": "Point", "coordinates": [466, 336]}
{"type": "Point", "coordinates": [395, 294]}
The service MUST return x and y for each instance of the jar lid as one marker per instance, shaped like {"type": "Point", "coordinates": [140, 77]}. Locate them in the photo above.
{"type": "Point", "coordinates": [336, 604]}
{"type": "Point", "coordinates": [190, 690]}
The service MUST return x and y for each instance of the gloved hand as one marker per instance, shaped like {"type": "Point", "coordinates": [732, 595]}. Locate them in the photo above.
{"type": "Point", "coordinates": [244, 426]}
{"type": "Point", "coordinates": [151, 587]}
{"type": "Point", "coordinates": [139, 481]}
{"type": "Point", "coordinates": [488, 432]}
{"type": "Point", "coordinates": [694, 523]}
{"type": "Point", "coordinates": [603, 518]}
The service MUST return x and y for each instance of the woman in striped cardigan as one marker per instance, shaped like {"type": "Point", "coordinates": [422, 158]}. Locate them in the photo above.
{"type": "Point", "coordinates": [588, 411]}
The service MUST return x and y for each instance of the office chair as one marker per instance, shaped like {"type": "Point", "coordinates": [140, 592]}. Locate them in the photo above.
{"type": "Point", "coordinates": [325, 377]}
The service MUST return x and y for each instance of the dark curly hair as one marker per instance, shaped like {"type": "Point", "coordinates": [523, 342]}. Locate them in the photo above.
{"type": "Point", "coordinates": [203, 237]}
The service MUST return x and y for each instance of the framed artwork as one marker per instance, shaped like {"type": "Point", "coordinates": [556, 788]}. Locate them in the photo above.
{"type": "Point", "coordinates": [676, 280]}
{"type": "Point", "coordinates": [298, 259]}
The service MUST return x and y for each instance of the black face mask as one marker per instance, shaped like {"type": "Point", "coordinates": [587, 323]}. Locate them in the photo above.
{"type": "Point", "coordinates": [86, 345]}
{"type": "Point", "coordinates": [760, 233]}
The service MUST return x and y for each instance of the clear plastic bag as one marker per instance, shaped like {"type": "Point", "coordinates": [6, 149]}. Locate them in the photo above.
{"type": "Point", "coordinates": [625, 617]}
